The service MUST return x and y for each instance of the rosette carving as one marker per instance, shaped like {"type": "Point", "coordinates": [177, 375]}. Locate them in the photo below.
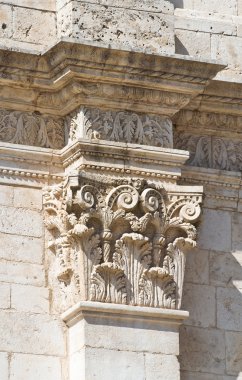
{"type": "Point", "coordinates": [120, 243]}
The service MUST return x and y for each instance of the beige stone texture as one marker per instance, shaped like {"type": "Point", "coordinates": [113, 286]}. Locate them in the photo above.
{"type": "Point", "coordinates": [234, 353]}
{"type": "Point", "coordinates": [206, 376]}
{"type": "Point", "coordinates": [204, 22]}
{"type": "Point", "coordinates": [227, 48]}
{"type": "Point", "coordinates": [159, 367]}
{"type": "Point", "coordinates": [196, 44]}
{"type": "Point", "coordinates": [117, 27]}
{"type": "Point", "coordinates": [22, 273]}
{"type": "Point", "coordinates": [5, 298]}
{"type": "Point", "coordinates": [201, 303]}
{"type": "Point", "coordinates": [30, 299]}
{"type": "Point", "coordinates": [21, 248]}
{"type": "Point", "coordinates": [229, 309]}
{"type": "Point", "coordinates": [21, 222]}
{"type": "Point", "coordinates": [35, 4]}
{"type": "Point", "coordinates": [148, 5]}
{"type": "Point", "coordinates": [6, 21]}
{"type": "Point", "coordinates": [225, 269]}
{"type": "Point", "coordinates": [38, 367]}
{"type": "Point", "coordinates": [236, 232]}
{"type": "Point", "coordinates": [215, 230]}
{"type": "Point", "coordinates": [128, 365]}
{"type": "Point", "coordinates": [197, 267]}
{"type": "Point", "coordinates": [6, 195]}
{"type": "Point", "coordinates": [4, 365]}
{"type": "Point", "coordinates": [123, 335]}
{"type": "Point", "coordinates": [28, 198]}
{"type": "Point", "coordinates": [27, 24]}
{"type": "Point", "coordinates": [202, 350]}
{"type": "Point", "coordinates": [31, 333]}
{"type": "Point", "coordinates": [225, 7]}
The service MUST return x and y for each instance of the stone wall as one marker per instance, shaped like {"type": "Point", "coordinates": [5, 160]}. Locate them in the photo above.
{"type": "Point", "coordinates": [121, 89]}
{"type": "Point", "coordinates": [27, 24]}
{"type": "Point", "coordinates": [211, 30]}
{"type": "Point", "coordinates": [211, 339]}
{"type": "Point", "coordinates": [32, 343]}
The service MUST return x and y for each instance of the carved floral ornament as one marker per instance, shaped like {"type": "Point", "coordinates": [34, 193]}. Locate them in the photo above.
{"type": "Point", "coordinates": [122, 241]}
{"type": "Point", "coordinates": [120, 126]}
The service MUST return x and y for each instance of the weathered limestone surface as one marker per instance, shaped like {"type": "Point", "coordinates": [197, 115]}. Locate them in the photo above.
{"type": "Point", "coordinates": [116, 113]}
{"type": "Point", "coordinates": [91, 323]}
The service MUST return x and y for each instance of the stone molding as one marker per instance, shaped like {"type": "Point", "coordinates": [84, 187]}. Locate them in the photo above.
{"type": "Point", "coordinates": [69, 75]}
{"type": "Point", "coordinates": [124, 312]}
{"type": "Point", "coordinates": [120, 240]}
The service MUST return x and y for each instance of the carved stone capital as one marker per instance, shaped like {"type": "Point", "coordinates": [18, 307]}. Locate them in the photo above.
{"type": "Point", "coordinates": [123, 240]}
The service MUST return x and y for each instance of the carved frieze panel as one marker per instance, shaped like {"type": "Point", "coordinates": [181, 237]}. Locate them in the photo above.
{"type": "Point", "coordinates": [120, 240]}
{"type": "Point", "coordinates": [31, 129]}
{"type": "Point", "coordinates": [211, 151]}
{"type": "Point", "coordinates": [120, 126]}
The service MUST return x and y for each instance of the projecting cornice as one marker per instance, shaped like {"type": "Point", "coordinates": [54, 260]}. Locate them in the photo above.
{"type": "Point", "coordinates": [70, 74]}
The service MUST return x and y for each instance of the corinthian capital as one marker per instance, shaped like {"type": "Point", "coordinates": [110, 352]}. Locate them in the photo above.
{"type": "Point", "coordinates": [120, 240]}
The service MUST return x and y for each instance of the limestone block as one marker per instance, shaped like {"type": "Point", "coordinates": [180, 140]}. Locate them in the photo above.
{"type": "Point", "coordinates": [124, 336]}
{"type": "Point", "coordinates": [199, 300]}
{"type": "Point", "coordinates": [224, 7]}
{"type": "Point", "coordinates": [228, 49]}
{"type": "Point", "coordinates": [6, 24]}
{"type": "Point", "coordinates": [160, 367]}
{"type": "Point", "coordinates": [4, 296]}
{"type": "Point", "coordinates": [203, 22]}
{"type": "Point", "coordinates": [206, 376]}
{"type": "Point", "coordinates": [147, 5]}
{"type": "Point", "coordinates": [29, 23]}
{"type": "Point", "coordinates": [202, 350]}
{"type": "Point", "coordinates": [37, 367]}
{"type": "Point", "coordinates": [186, 4]}
{"type": "Point", "coordinates": [197, 267]}
{"type": "Point", "coordinates": [4, 366]}
{"type": "Point", "coordinates": [215, 230]}
{"type": "Point", "coordinates": [35, 4]}
{"type": "Point", "coordinates": [234, 353]}
{"type": "Point", "coordinates": [21, 248]}
{"type": "Point", "coordinates": [6, 195]}
{"type": "Point", "coordinates": [226, 269]}
{"type": "Point", "coordinates": [239, 7]}
{"type": "Point", "coordinates": [28, 198]}
{"type": "Point", "coordinates": [20, 222]}
{"type": "Point", "coordinates": [117, 27]}
{"type": "Point", "coordinates": [22, 273]}
{"type": "Point", "coordinates": [30, 298]}
{"type": "Point", "coordinates": [229, 309]}
{"type": "Point", "coordinates": [103, 364]}
{"type": "Point", "coordinates": [31, 333]}
{"type": "Point", "coordinates": [196, 44]}
{"type": "Point", "coordinates": [236, 232]}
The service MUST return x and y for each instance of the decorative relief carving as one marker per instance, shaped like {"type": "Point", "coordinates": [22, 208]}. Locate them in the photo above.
{"type": "Point", "coordinates": [211, 151]}
{"type": "Point", "coordinates": [208, 120]}
{"type": "Point", "coordinates": [121, 126]}
{"type": "Point", "coordinates": [31, 129]}
{"type": "Point", "coordinates": [120, 241]}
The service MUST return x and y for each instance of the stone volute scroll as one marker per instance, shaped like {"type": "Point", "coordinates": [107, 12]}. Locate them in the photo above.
{"type": "Point", "coordinates": [119, 240]}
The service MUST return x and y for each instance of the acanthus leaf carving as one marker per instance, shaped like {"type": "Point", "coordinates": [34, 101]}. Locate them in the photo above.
{"type": "Point", "coordinates": [120, 243]}
{"type": "Point", "coordinates": [120, 126]}
{"type": "Point", "coordinates": [31, 129]}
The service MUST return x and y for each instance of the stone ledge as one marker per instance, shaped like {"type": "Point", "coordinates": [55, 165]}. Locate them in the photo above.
{"type": "Point", "coordinates": [124, 312]}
